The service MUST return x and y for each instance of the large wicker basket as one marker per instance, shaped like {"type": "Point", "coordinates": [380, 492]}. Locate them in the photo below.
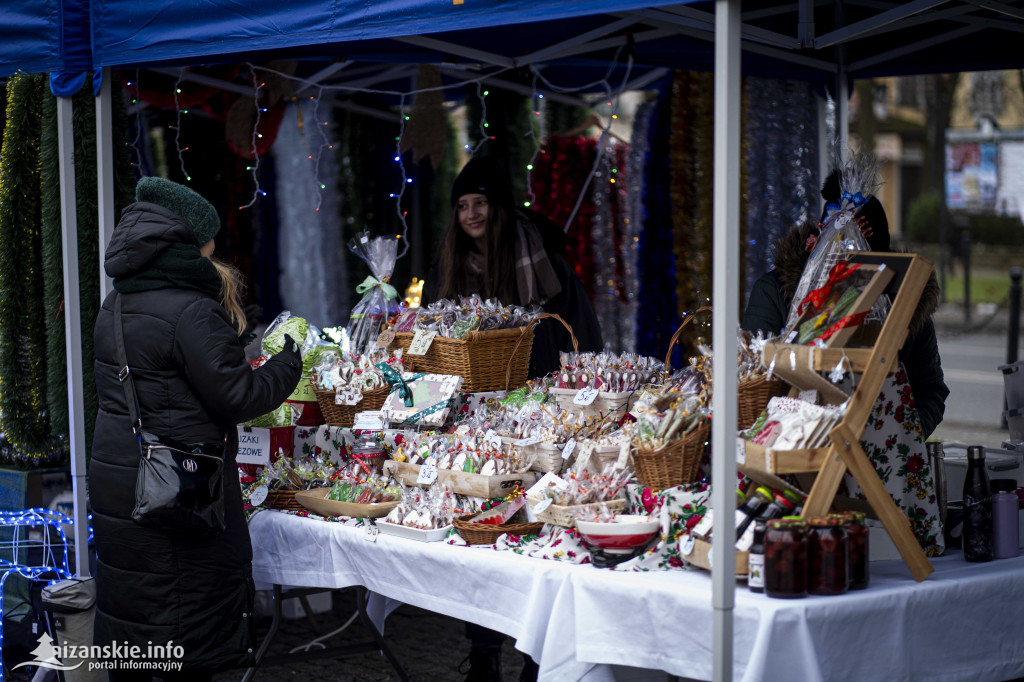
{"type": "Point", "coordinates": [486, 533]}
{"type": "Point", "coordinates": [493, 360]}
{"type": "Point", "coordinates": [754, 395]}
{"type": "Point", "coordinates": [674, 464]}
{"type": "Point", "coordinates": [344, 415]}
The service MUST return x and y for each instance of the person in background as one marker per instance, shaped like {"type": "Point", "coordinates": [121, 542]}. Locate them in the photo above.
{"type": "Point", "coordinates": [772, 294]}
{"type": "Point", "coordinates": [183, 323]}
{"type": "Point", "coordinates": [497, 250]}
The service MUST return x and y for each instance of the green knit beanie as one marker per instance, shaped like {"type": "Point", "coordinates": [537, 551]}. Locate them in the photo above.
{"type": "Point", "coordinates": [199, 213]}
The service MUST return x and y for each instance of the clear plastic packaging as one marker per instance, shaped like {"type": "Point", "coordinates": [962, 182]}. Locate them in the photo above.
{"type": "Point", "coordinates": [380, 298]}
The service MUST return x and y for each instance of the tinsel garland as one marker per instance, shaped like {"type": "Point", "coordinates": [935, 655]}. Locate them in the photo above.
{"type": "Point", "coordinates": [23, 415]}
{"type": "Point", "coordinates": [559, 174]}
{"type": "Point", "coordinates": [609, 194]}
{"type": "Point", "coordinates": [633, 220]}
{"type": "Point", "coordinates": [686, 221]}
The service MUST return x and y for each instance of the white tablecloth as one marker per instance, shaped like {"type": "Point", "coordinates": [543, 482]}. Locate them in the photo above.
{"type": "Point", "coordinates": [965, 622]}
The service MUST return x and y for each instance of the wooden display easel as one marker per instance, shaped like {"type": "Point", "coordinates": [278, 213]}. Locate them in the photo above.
{"type": "Point", "coordinates": [874, 364]}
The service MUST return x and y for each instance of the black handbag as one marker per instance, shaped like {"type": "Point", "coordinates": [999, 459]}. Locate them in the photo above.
{"type": "Point", "coordinates": [180, 486]}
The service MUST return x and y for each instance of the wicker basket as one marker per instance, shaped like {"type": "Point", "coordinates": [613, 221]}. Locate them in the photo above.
{"type": "Point", "coordinates": [282, 499]}
{"type": "Point", "coordinates": [559, 515]}
{"type": "Point", "coordinates": [754, 395]}
{"type": "Point", "coordinates": [495, 360]}
{"type": "Point", "coordinates": [486, 533]}
{"type": "Point", "coordinates": [674, 464]}
{"type": "Point", "coordinates": [344, 415]}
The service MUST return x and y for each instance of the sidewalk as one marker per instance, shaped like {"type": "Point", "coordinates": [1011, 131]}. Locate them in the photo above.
{"type": "Point", "coordinates": [949, 319]}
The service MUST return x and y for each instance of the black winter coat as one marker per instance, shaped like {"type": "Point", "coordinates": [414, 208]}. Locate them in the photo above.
{"type": "Point", "coordinates": [772, 294]}
{"type": "Point", "coordinates": [571, 304]}
{"type": "Point", "coordinates": [193, 385]}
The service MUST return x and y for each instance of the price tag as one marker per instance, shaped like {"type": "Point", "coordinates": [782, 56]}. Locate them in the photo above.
{"type": "Point", "coordinates": [808, 396]}
{"type": "Point", "coordinates": [542, 505]}
{"type": "Point", "coordinates": [428, 472]}
{"type": "Point", "coordinates": [371, 533]}
{"type": "Point", "coordinates": [258, 495]}
{"type": "Point", "coordinates": [385, 338]}
{"type": "Point", "coordinates": [686, 546]}
{"type": "Point", "coordinates": [348, 396]}
{"type": "Point", "coordinates": [623, 458]}
{"type": "Point", "coordinates": [303, 392]}
{"type": "Point", "coordinates": [253, 446]}
{"type": "Point", "coordinates": [522, 442]}
{"type": "Point", "coordinates": [703, 527]}
{"type": "Point", "coordinates": [585, 396]}
{"type": "Point", "coordinates": [369, 421]}
{"type": "Point", "coordinates": [568, 448]}
{"type": "Point", "coordinates": [421, 342]}
{"type": "Point", "coordinates": [741, 450]}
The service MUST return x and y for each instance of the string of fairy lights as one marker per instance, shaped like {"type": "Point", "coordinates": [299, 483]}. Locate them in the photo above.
{"type": "Point", "coordinates": [535, 133]}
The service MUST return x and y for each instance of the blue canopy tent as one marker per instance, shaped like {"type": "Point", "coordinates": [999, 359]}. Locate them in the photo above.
{"type": "Point", "coordinates": [827, 42]}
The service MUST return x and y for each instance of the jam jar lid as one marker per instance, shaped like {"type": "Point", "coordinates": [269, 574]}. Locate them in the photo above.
{"type": "Point", "coordinates": [831, 520]}
{"type": "Point", "coordinates": [787, 523]}
{"type": "Point", "coordinates": [850, 516]}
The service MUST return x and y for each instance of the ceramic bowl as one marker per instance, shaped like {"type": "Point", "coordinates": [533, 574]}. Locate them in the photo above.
{"type": "Point", "coordinates": [622, 534]}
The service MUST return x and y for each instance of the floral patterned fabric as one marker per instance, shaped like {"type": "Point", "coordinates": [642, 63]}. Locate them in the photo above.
{"type": "Point", "coordinates": [894, 443]}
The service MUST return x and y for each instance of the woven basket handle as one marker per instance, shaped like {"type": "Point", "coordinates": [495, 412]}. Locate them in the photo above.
{"type": "Point", "coordinates": [515, 349]}
{"type": "Point", "coordinates": [675, 337]}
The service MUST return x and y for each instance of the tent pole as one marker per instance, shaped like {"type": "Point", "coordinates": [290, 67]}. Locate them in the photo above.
{"type": "Point", "coordinates": [843, 110]}
{"type": "Point", "coordinates": [73, 330]}
{"type": "Point", "coordinates": [823, 144]}
{"type": "Point", "coordinates": [726, 315]}
{"type": "Point", "coordinates": [105, 174]}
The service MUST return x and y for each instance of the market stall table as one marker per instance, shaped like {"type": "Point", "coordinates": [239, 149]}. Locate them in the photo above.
{"type": "Point", "coordinates": [962, 623]}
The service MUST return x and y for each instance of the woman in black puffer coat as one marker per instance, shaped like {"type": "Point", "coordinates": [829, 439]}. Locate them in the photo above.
{"type": "Point", "coordinates": [182, 321]}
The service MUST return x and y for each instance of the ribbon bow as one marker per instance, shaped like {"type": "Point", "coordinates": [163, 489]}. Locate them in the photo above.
{"type": "Point", "coordinates": [816, 298]}
{"type": "Point", "coordinates": [395, 379]}
{"type": "Point", "coordinates": [857, 199]}
{"type": "Point", "coordinates": [370, 282]}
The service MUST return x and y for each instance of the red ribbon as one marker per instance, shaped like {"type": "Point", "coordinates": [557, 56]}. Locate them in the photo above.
{"type": "Point", "coordinates": [838, 273]}
{"type": "Point", "coordinates": [848, 321]}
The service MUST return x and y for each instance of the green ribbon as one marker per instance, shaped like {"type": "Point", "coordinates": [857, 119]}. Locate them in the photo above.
{"type": "Point", "coordinates": [392, 376]}
{"type": "Point", "coordinates": [370, 282]}
{"type": "Point", "coordinates": [411, 421]}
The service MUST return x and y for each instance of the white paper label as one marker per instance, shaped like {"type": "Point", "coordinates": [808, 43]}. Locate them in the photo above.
{"type": "Point", "coordinates": [687, 545]}
{"type": "Point", "coordinates": [746, 541]}
{"type": "Point", "coordinates": [462, 430]}
{"type": "Point", "coordinates": [421, 342]}
{"type": "Point", "coordinates": [623, 458]}
{"type": "Point", "coordinates": [526, 441]}
{"type": "Point", "coordinates": [755, 570]}
{"type": "Point", "coordinates": [493, 439]}
{"type": "Point", "coordinates": [428, 472]}
{"type": "Point", "coordinates": [253, 446]}
{"type": "Point", "coordinates": [542, 505]}
{"type": "Point", "coordinates": [258, 495]}
{"type": "Point", "coordinates": [808, 396]}
{"type": "Point", "coordinates": [585, 396]}
{"type": "Point", "coordinates": [369, 421]}
{"type": "Point", "coordinates": [568, 448]}
{"type": "Point", "coordinates": [371, 533]}
{"type": "Point", "coordinates": [741, 451]}
{"type": "Point", "coordinates": [348, 396]}
{"type": "Point", "coordinates": [703, 527]}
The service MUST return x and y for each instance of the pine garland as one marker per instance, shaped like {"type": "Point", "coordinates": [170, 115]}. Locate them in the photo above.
{"type": "Point", "coordinates": [24, 417]}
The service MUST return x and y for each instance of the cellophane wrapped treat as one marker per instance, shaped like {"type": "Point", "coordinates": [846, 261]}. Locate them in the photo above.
{"type": "Point", "coordinates": [311, 342]}
{"type": "Point", "coordinates": [380, 298]}
{"type": "Point", "coordinates": [840, 234]}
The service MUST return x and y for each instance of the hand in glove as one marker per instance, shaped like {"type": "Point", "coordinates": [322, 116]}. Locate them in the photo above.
{"type": "Point", "coordinates": [290, 350]}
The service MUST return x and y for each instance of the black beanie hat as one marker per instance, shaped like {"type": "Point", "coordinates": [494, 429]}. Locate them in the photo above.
{"type": "Point", "coordinates": [483, 175]}
{"type": "Point", "coordinates": [186, 203]}
{"type": "Point", "coordinates": [872, 210]}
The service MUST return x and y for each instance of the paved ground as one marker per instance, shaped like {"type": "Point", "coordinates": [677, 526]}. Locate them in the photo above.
{"type": "Point", "coordinates": [429, 647]}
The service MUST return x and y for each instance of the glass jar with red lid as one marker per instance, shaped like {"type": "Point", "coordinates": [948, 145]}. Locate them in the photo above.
{"type": "Point", "coordinates": [827, 556]}
{"type": "Point", "coordinates": [857, 547]}
{"type": "Point", "coordinates": [785, 558]}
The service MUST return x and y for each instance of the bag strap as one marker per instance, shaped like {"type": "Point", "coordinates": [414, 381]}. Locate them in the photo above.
{"type": "Point", "coordinates": [125, 373]}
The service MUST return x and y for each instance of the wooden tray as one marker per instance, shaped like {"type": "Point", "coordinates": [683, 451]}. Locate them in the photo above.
{"type": "Point", "coordinates": [476, 485]}
{"type": "Point", "coordinates": [754, 456]}
{"type": "Point", "coordinates": [316, 501]}
{"type": "Point", "coordinates": [700, 555]}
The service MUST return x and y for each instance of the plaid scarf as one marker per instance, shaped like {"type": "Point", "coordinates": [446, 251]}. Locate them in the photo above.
{"type": "Point", "coordinates": [536, 280]}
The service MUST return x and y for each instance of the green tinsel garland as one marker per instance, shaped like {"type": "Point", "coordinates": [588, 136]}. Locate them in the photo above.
{"type": "Point", "coordinates": [22, 327]}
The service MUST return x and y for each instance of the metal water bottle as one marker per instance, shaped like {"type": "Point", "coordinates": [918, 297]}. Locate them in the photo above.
{"type": "Point", "coordinates": [977, 534]}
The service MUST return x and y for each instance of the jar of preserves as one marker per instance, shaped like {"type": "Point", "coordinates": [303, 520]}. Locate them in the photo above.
{"type": "Point", "coordinates": [857, 548]}
{"type": "Point", "coordinates": [785, 558]}
{"type": "Point", "coordinates": [368, 453]}
{"type": "Point", "coordinates": [827, 556]}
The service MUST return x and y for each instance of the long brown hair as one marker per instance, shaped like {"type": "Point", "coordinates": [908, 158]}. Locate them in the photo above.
{"type": "Point", "coordinates": [499, 277]}
{"type": "Point", "coordinates": [231, 290]}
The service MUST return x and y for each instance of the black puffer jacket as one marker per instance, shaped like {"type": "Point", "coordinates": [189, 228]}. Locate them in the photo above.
{"type": "Point", "coordinates": [571, 304]}
{"type": "Point", "coordinates": [193, 385]}
{"type": "Point", "coordinates": [772, 294]}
